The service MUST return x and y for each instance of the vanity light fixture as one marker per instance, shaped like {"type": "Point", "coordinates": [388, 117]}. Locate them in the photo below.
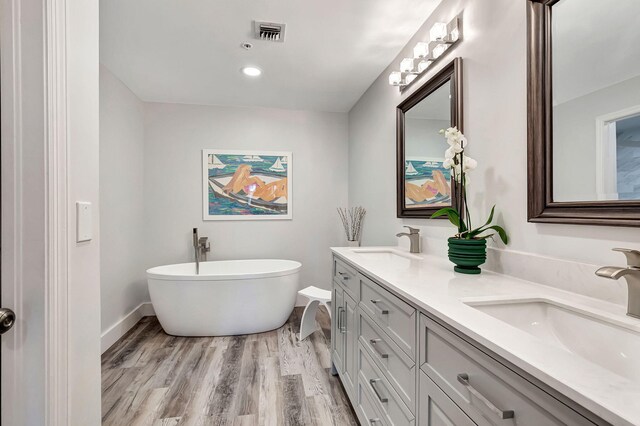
{"type": "Point", "coordinates": [395, 78]}
{"type": "Point", "coordinates": [423, 65]}
{"type": "Point", "coordinates": [439, 49]}
{"type": "Point", "coordinates": [409, 78]}
{"type": "Point", "coordinates": [251, 71]}
{"type": "Point", "coordinates": [406, 65]}
{"type": "Point", "coordinates": [438, 32]}
{"type": "Point", "coordinates": [442, 37]}
{"type": "Point", "coordinates": [421, 50]}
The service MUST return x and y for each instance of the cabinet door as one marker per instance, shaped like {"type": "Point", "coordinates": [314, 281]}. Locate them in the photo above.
{"type": "Point", "coordinates": [437, 409]}
{"type": "Point", "coordinates": [350, 345]}
{"type": "Point", "coordinates": [337, 328]}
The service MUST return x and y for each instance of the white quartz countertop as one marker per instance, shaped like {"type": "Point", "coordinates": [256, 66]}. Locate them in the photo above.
{"type": "Point", "coordinates": [429, 283]}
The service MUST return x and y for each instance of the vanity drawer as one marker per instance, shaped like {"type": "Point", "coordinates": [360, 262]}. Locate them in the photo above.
{"type": "Point", "coordinates": [394, 316]}
{"type": "Point", "coordinates": [485, 389]}
{"type": "Point", "coordinates": [436, 408]}
{"type": "Point", "coordinates": [397, 367]}
{"type": "Point", "coordinates": [367, 407]}
{"type": "Point", "coordinates": [385, 398]}
{"type": "Point", "coordinates": [347, 276]}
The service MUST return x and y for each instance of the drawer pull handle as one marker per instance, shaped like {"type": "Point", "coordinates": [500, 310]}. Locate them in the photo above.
{"type": "Point", "coordinates": [374, 421]}
{"type": "Point", "coordinates": [343, 275]}
{"type": "Point", "coordinates": [381, 310]}
{"type": "Point", "coordinates": [502, 414]}
{"type": "Point", "coordinates": [373, 382]}
{"type": "Point", "coordinates": [375, 347]}
{"type": "Point", "coordinates": [341, 328]}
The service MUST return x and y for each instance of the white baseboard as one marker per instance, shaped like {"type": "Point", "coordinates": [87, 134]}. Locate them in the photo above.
{"type": "Point", "coordinates": [120, 328]}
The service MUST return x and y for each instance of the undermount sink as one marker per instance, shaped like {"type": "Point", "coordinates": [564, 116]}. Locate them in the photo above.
{"type": "Point", "coordinates": [602, 338]}
{"type": "Point", "coordinates": [386, 255]}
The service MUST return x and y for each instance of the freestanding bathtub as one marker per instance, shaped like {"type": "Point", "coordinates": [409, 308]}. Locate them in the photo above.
{"type": "Point", "coordinates": [228, 297]}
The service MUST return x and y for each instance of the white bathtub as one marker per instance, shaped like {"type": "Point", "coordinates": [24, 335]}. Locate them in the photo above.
{"type": "Point", "coordinates": [228, 297]}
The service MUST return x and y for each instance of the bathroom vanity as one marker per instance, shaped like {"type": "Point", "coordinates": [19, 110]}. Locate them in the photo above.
{"type": "Point", "coordinates": [416, 344]}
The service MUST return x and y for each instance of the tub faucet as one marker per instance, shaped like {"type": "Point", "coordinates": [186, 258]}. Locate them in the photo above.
{"type": "Point", "coordinates": [201, 246]}
{"type": "Point", "coordinates": [631, 273]}
{"type": "Point", "coordinates": [195, 249]}
{"type": "Point", "coordinates": [414, 239]}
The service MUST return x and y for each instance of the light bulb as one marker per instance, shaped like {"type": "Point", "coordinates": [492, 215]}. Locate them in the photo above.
{"type": "Point", "coordinates": [421, 50]}
{"type": "Point", "coordinates": [395, 78]}
{"type": "Point", "coordinates": [423, 65]}
{"type": "Point", "coordinates": [251, 71]}
{"type": "Point", "coordinates": [438, 32]}
{"type": "Point", "coordinates": [409, 78]}
{"type": "Point", "coordinates": [406, 65]}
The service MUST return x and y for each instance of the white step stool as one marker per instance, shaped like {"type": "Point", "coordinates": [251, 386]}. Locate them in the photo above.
{"type": "Point", "coordinates": [316, 296]}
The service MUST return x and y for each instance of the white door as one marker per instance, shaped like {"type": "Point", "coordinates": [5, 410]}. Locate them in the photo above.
{"type": "Point", "coordinates": [50, 372]}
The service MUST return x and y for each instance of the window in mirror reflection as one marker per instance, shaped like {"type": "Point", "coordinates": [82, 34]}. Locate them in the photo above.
{"type": "Point", "coordinates": [427, 183]}
{"type": "Point", "coordinates": [596, 100]}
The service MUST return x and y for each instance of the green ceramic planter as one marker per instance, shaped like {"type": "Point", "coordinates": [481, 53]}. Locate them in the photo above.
{"type": "Point", "coordinates": [467, 255]}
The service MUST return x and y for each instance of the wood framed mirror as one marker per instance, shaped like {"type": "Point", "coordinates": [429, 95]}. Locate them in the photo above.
{"type": "Point", "coordinates": [423, 185]}
{"type": "Point", "coordinates": [583, 112]}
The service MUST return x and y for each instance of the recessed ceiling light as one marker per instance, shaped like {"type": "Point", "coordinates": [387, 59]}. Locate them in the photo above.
{"type": "Point", "coordinates": [251, 71]}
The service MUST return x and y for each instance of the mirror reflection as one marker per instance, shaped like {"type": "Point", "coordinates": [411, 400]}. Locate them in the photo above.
{"type": "Point", "coordinates": [596, 100]}
{"type": "Point", "coordinates": [427, 183]}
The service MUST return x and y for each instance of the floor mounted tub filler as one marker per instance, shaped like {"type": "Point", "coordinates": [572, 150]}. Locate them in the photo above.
{"type": "Point", "coordinates": [229, 297]}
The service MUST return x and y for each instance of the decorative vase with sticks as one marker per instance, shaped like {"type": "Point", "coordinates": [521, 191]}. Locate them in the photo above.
{"type": "Point", "coordinates": [352, 219]}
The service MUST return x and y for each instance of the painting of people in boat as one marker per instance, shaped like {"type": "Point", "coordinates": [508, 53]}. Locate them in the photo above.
{"type": "Point", "coordinates": [240, 185]}
{"type": "Point", "coordinates": [427, 183]}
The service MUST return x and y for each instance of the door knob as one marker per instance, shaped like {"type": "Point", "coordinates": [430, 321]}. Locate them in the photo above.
{"type": "Point", "coordinates": [7, 318]}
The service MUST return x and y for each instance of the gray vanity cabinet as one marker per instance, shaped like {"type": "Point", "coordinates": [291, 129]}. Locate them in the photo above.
{"type": "Point", "coordinates": [337, 334]}
{"type": "Point", "coordinates": [344, 327]}
{"type": "Point", "coordinates": [401, 366]}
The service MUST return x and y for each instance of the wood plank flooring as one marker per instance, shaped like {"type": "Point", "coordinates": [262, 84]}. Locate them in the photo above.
{"type": "Point", "coordinates": [151, 378]}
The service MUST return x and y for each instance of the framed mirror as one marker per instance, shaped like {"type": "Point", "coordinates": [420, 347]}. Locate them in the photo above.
{"type": "Point", "coordinates": [583, 112]}
{"type": "Point", "coordinates": [423, 185]}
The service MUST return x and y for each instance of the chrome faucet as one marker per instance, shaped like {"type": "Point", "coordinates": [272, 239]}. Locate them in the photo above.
{"type": "Point", "coordinates": [201, 246]}
{"type": "Point", "coordinates": [631, 273]}
{"type": "Point", "coordinates": [414, 238]}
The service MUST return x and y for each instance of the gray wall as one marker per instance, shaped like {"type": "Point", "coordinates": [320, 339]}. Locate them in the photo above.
{"type": "Point", "coordinates": [574, 135]}
{"type": "Point", "coordinates": [174, 137]}
{"type": "Point", "coordinates": [495, 117]}
{"type": "Point", "coordinates": [422, 138]}
{"type": "Point", "coordinates": [122, 273]}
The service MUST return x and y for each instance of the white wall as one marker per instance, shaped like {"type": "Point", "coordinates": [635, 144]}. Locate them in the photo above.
{"type": "Point", "coordinates": [495, 117]}
{"type": "Point", "coordinates": [174, 137]}
{"type": "Point", "coordinates": [123, 282]}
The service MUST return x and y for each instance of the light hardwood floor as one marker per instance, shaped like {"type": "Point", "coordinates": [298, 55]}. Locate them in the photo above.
{"type": "Point", "coordinates": [151, 378]}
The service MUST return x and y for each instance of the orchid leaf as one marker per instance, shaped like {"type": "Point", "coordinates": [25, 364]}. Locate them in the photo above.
{"type": "Point", "coordinates": [453, 215]}
{"type": "Point", "coordinates": [490, 216]}
{"type": "Point", "coordinates": [500, 231]}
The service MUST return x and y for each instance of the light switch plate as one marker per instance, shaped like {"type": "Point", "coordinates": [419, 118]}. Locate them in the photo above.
{"type": "Point", "coordinates": [84, 221]}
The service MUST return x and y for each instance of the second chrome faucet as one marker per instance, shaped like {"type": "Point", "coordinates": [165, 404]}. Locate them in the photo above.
{"type": "Point", "coordinates": [631, 273]}
{"type": "Point", "coordinates": [414, 238]}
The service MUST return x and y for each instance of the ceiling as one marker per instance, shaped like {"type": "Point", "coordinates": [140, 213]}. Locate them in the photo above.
{"type": "Point", "coordinates": [190, 51]}
{"type": "Point", "coordinates": [595, 45]}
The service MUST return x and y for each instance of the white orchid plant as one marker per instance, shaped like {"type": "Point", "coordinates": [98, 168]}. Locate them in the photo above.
{"type": "Point", "coordinates": [460, 164]}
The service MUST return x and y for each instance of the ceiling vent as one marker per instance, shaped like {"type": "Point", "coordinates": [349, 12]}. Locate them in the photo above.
{"type": "Point", "coordinates": [269, 31]}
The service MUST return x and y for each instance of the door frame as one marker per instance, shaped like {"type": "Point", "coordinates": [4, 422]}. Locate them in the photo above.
{"type": "Point", "coordinates": [17, 115]}
{"type": "Point", "coordinates": [606, 157]}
